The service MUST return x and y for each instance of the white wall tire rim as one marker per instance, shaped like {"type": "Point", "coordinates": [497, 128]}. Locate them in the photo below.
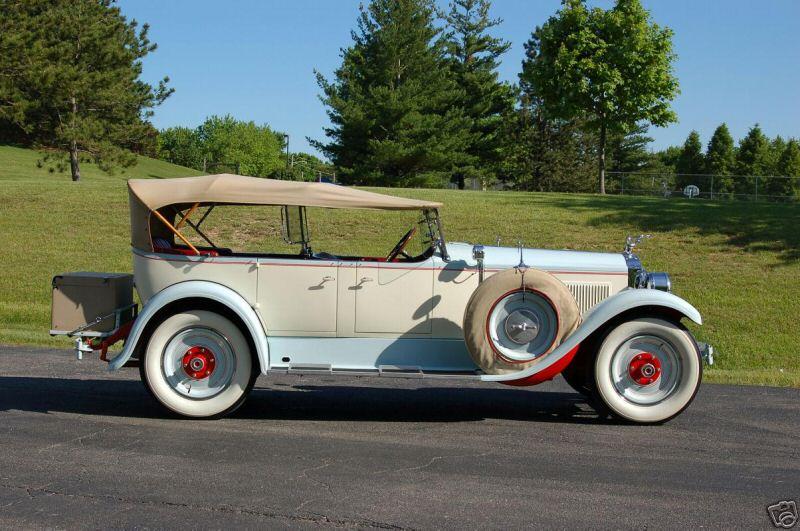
{"type": "Point", "coordinates": [663, 386]}
{"type": "Point", "coordinates": [667, 396]}
{"type": "Point", "coordinates": [515, 306]}
{"type": "Point", "coordinates": [198, 388]}
{"type": "Point", "coordinates": [224, 392]}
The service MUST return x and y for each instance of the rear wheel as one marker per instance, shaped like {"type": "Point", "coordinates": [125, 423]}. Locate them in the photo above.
{"type": "Point", "coordinates": [647, 370]}
{"type": "Point", "coordinates": [199, 364]}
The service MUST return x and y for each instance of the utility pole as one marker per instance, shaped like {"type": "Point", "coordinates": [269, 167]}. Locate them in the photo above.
{"type": "Point", "coordinates": [286, 139]}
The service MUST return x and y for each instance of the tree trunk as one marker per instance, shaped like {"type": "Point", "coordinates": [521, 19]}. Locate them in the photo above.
{"type": "Point", "coordinates": [73, 161]}
{"type": "Point", "coordinates": [602, 161]}
{"type": "Point", "coordinates": [73, 145]}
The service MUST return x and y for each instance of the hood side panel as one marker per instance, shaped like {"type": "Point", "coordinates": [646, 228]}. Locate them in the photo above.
{"type": "Point", "coordinates": [547, 260]}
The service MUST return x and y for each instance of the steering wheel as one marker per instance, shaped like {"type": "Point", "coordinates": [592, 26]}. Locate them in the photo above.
{"type": "Point", "coordinates": [401, 245]}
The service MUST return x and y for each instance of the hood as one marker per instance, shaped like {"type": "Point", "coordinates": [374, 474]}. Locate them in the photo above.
{"type": "Point", "coordinates": [547, 260]}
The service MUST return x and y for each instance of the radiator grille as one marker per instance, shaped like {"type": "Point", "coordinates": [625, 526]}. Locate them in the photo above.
{"type": "Point", "coordinates": [589, 294]}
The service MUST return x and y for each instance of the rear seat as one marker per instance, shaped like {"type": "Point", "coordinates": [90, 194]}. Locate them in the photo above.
{"type": "Point", "coordinates": [161, 245]}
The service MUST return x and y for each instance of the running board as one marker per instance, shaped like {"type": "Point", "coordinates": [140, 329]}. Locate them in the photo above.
{"type": "Point", "coordinates": [386, 371]}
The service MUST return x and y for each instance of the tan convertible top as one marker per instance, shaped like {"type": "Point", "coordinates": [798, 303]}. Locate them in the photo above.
{"type": "Point", "coordinates": [238, 189]}
{"type": "Point", "coordinates": [147, 195]}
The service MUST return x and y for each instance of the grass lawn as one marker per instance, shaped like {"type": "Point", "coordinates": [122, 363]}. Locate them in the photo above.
{"type": "Point", "coordinates": [738, 263]}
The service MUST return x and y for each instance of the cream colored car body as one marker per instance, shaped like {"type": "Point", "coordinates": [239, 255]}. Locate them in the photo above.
{"type": "Point", "coordinates": [398, 318]}
{"type": "Point", "coordinates": [339, 298]}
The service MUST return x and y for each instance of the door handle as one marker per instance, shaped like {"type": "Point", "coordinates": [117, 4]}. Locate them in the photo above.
{"type": "Point", "coordinates": [328, 278]}
{"type": "Point", "coordinates": [365, 279]}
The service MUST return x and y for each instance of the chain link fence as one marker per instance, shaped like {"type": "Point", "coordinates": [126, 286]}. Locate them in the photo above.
{"type": "Point", "coordinates": [715, 187]}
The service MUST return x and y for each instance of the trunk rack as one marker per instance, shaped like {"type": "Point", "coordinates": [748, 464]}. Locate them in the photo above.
{"type": "Point", "coordinates": [87, 341]}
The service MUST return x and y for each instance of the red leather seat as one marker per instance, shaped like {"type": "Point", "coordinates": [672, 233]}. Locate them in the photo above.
{"type": "Point", "coordinates": [160, 245]}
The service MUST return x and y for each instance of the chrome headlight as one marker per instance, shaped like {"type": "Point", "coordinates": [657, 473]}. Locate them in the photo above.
{"type": "Point", "coordinates": [639, 277]}
{"type": "Point", "coordinates": [635, 269]}
{"type": "Point", "coordinates": [659, 281]}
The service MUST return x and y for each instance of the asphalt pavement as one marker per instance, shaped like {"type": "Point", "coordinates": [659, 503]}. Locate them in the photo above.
{"type": "Point", "coordinates": [81, 447]}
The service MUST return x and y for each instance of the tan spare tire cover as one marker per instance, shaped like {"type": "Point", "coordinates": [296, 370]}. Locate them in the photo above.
{"type": "Point", "coordinates": [525, 286]}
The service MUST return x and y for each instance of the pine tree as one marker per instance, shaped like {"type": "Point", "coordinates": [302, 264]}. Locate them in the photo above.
{"type": "Point", "coordinates": [691, 161]}
{"type": "Point", "coordinates": [774, 152]}
{"type": "Point", "coordinates": [393, 105]}
{"type": "Point", "coordinates": [788, 166]}
{"type": "Point", "coordinates": [546, 154]}
{"type": "Point", "coordinates": [474, 56]}
{"type": "Point", "coordinates": [752, 159]}
{"type": "Point", "coordinates": [69, 80]}
{"type": "Point", "coordinates": [721, 159]}
{"type": "Point", "coordinates": [628, 152]}
{"type": "Point", "coordinates": [669, 157]}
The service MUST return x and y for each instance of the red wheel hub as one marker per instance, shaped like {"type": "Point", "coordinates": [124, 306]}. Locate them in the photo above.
{"type": "Point", "coordinates": [644, 368]}
{"type": "Point", "coordinates": [199, 363]}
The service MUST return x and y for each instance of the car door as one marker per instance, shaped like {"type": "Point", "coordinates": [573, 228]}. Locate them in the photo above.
{"type": "Point", "coordinates": [298, 297]}
{"type": "Point", "coordinates": [394, 298]}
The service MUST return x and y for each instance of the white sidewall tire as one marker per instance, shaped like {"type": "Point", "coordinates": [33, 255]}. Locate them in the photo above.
{"type": "Point", "coordinates": [687, 385]}
{"type": "Point", "coordinates": [499, 287]}
{"type": "Point", "coordinates": [224, 402]}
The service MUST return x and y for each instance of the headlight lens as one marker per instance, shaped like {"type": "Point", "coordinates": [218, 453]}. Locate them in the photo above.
{"type": "Point", "coordinates": [638, 277]}
{"type": "Point", "coordinates": [659, 281]}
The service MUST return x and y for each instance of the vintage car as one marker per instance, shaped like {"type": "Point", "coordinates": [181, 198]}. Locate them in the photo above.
{"type": "Point", "coordinates": [213, 318]}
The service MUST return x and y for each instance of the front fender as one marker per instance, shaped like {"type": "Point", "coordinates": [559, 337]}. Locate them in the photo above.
{"type": "Point", "coordinates": [615, 305]}
{"type": "Point", "coordinates": [196, 289]}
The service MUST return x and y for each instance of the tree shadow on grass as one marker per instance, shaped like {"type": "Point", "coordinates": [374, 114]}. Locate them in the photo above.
{"type": "Point", "coordinates": [748, 226]}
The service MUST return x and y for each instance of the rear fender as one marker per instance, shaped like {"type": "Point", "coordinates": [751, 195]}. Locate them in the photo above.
{"type": "Point", "coordinates": [626, 301]}
{"type": "Point", "coordinates": [194, 289]}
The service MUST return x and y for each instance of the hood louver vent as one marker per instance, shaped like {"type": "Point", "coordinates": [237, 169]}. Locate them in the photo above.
{"type": "Point", "coordinates": [589, 294]}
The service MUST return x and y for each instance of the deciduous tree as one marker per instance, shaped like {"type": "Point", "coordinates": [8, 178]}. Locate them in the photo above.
{"type": "Point", "coordinates": [613, 67]}
{"type": "Point", "coordinates": [181, 145]}
{"type": "Point", "coordinates": [224, 144]}
{"type": "Point", "coordinates": [252, 149]}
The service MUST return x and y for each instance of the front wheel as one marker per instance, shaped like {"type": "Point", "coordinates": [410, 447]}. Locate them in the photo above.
{"type": "Point", "coordinates": [198, 364]}
{"type": "Point", "coordinates": [647, 370]}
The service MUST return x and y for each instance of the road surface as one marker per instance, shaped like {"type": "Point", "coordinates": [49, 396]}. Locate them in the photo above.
{"type": "Point", "coordinates": [83, 447]}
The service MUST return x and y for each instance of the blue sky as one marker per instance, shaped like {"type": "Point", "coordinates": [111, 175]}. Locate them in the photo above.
{"type": "Point", "coordinates": [738, 60]}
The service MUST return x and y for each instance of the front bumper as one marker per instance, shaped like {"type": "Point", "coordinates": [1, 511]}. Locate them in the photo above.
{"type": "Point", "coordinates": [706, 352]}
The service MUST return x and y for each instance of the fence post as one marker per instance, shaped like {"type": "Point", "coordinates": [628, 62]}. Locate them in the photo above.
{"type": "Point", "coordinates": [622, 184]}
{"type": "Point", "coordinates": [756, 187]}
{"type": "Point", "coordinates": [712, 187]}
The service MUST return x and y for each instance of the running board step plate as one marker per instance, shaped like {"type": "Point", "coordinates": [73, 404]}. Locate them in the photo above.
{"type": "Point", "coordinates": [386, 371]}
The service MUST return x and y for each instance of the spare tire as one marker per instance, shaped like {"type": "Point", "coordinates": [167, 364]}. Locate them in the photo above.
{"type": "Point", "coordinates": [516, 317]}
